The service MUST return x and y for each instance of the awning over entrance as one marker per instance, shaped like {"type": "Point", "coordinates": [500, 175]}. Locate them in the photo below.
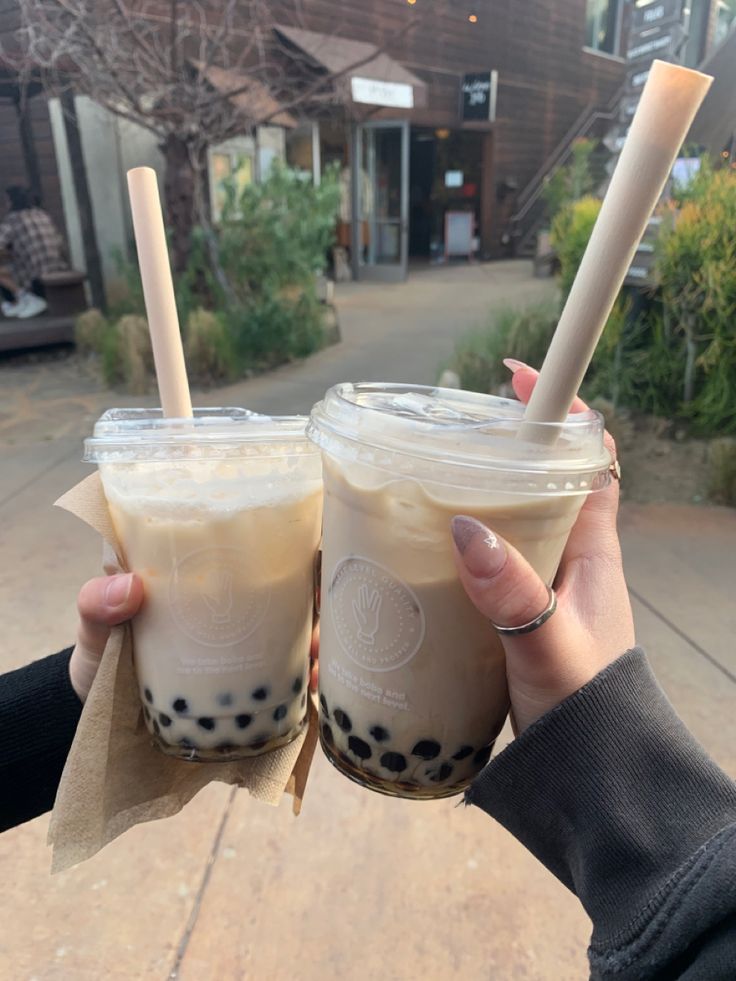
{"type": "Point", "coordinates": [249, 96]}
{"type": "Point", "coordinates": [367, 76]}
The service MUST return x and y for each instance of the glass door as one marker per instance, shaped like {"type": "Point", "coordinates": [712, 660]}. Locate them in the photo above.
{"type": "Point", "coordinates": [380, 190]}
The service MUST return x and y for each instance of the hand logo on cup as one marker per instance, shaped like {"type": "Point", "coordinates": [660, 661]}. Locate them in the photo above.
{"type": "Point", "coordinates": [366, 610]}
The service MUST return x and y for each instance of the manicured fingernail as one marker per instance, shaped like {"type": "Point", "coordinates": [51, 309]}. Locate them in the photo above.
{"type": "Point", "coordinates": [513, 365]}
{"type": "Point", "coordinates": [482, 552]}
{"type": "Point", "coordinates": [118, 589]}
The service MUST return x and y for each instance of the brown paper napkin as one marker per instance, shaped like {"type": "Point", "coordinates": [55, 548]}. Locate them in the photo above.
{"type": "Point", "coordinates": [114, 777]}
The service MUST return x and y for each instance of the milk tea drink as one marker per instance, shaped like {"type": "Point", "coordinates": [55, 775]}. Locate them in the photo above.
{"type": "Point", "coordinates": [220, 516]}
{"type": "Point", "coordinates": [412, 678]}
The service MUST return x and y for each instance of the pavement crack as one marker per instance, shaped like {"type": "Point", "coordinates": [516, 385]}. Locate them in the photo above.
{"type": "Point", "coordinates": [198, 899]}
{"type": "Point", "coordinates": [683, 636]}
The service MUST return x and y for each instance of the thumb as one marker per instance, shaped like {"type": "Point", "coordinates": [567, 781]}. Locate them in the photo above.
{"type": "Point", "coordinates": [102, 603]}
{"type": "Point", "coordinates": [498, 580]}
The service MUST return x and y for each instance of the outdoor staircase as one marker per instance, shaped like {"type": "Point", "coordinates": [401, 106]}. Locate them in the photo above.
{"type": "Point", "coordinates": [530, 216]}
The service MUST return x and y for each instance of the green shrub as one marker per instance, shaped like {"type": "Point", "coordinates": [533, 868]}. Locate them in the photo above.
{"type": "Point", "coordinates": [89, 331]}
{"type": "Point", "coordinates": [696, 262]}
{"type": "Point", "coordinates": [521, 334]}
{"type": "Point", "coordinates": [571, 230]}
{"type": "Point", "coordinates": [247, 299]}
{"type": "Point", "coordinates": [113, 366]}
{"type": "Point", "coordinates": [273, 242]}
{"type": "Point", "coordinates": [126, 295]}
{"type": "Point", "coordinates": [135, 352]}
{"type": "Point", "coordinates": [571, 182]}
{"type": "Point", "coordinates": [208, 348]}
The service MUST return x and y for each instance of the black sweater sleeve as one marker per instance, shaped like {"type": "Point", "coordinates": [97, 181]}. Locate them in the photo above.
{"type": "Point", "coordinates": [39, 712]}
{"type": "Point", "coordinates": [613, 794]}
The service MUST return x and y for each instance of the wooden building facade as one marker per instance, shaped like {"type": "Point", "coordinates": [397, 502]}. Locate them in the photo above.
{"type": "Point", "coordinates": [442, 114]}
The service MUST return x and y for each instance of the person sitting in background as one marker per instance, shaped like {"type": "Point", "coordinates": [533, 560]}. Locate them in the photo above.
{"type": "Point", "coordinates": [35, 248]}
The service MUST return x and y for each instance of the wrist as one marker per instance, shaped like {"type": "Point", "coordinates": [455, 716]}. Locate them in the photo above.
{"type": "Point", "coordinates": [82, 670]}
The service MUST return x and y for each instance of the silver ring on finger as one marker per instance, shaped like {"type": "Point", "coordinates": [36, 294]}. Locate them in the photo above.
{"type": "Point", "coordinates": [535, 624]}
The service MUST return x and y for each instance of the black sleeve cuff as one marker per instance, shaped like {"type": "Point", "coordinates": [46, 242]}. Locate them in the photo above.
{"type": "Point", "coordinates": [39, 712]}
{"type": "Point", "coordinates": [611, 792]}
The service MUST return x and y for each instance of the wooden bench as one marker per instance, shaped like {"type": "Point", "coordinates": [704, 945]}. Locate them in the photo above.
{"type": "Point", "coordinates": [65, 293]}
{"type": "Point", "coordinates": [65, 297]}
{"type": "Point", "coordinates": [35, 332]}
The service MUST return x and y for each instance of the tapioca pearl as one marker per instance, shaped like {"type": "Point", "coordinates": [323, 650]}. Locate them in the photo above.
{"type": "Point", "coordinates": [180, 706]}
{"type": "Point", "coordinates": [297, 685]}
{"type": "Point", "coordinates": [243, 721]}
{"type": "Point", "coordinates": [149, 694]}
{"type": "Point", "coordinates": [259, 743]}
{"type": "Point", "coordinates": [327, 734]}
{"type": "Point", "coordinates": [427, 749]}
{"type": "Point", "coordinates": [303, 701]}
{"type": "Point", "coordinates": [225, 699]}
{"type": "Point", "coordinates": [206, 722]}
{"type": "Point", "coordinates": [323, 703]}
{"type": "Point", "coordinates": [483, 755]}
{"type": "Point", "coordinates": [279, 713]}
{"type": "Point", "coordinates": [260, 694]}
{"type": "Point", "coordinates": [361, 748]}
{"type": "Point", "coordinates": [463, 753]}
{"type": "Point", "coordinates": [343, 720]}
{"type": "Point", "coordinates": [164, 719]}
{"type": "Point", "coordinates": [379, 733]}
{"type": "Point", "coordinates": [396, 762]}
{"type": "Point", "coordinates": [225, 747]}
{"type": "Point", "coordinates": [442, 773]}
{"type": "Point", "coordinates": [187, 743]}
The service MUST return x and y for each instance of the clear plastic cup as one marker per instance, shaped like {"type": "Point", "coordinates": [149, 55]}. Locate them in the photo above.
{"type": "Point", "coordinates": [412, 678]}
{"type": "Point", "coordinates": [220, 517]}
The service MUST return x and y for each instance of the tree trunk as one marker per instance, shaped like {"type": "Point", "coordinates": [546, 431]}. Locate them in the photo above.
{"type": "Point", "coordinates": [692, 352]}
{"type": "Point", "coordinates": [179, 199]}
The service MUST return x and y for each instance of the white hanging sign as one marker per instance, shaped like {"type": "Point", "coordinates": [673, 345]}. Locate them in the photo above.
{"type": "Point", "coordinates": [371, 91]}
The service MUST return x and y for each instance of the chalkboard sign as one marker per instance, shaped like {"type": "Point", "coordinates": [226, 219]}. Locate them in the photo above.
{"type": "Point", "coordinates": [459, 228]}
{"type": "Point", "coordinates": [479, 96]}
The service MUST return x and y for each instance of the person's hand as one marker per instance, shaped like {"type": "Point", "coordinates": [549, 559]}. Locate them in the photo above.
{"type": "Point", "coordinates": [593, 623]}
{"type": "Point", "coordinates": [102, 603]}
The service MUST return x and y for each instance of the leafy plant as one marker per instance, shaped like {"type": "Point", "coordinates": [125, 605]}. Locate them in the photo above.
{"type": "Point", "coordinates": [571, 182]}
{"type": "Point", "coordinates": [511, 333]}
{"type": "Point", "coordinates": [209, 350]}
{"type": "Point", "coordinates": [89, 331]}
{"type": "Point", "coordinates": [247, 298]}
{"type": "Point", "coordinates": [571, 230]}
{"type": "Point", "coordinates": [696, 263]}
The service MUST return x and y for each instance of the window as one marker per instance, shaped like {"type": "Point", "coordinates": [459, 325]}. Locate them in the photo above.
{"type": "Point", "coordinates": [602, 23]}
{"type": "Point", "coordinates": [231, 161]}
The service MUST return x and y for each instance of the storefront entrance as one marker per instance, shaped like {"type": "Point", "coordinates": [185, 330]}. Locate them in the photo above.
{"type": "Point", "coordinates": [380, 195]}
{"type": "Point", "coordinates": [445, 178]}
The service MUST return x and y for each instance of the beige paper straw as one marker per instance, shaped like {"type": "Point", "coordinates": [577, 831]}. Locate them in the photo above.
{"type": "Point", "coordinates": [158, 291]}
{"type": "Point", "coordinates": [670, 99]}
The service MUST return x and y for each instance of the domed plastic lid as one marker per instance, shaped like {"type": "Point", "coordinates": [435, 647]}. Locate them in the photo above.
{"type": "Point", "coordinates": [455, 436]}
{"type": "Point", "coordinates": [123, 435]}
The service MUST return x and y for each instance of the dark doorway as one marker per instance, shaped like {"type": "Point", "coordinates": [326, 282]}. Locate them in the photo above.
{"type": "Point", "coordinates": [445, 175]}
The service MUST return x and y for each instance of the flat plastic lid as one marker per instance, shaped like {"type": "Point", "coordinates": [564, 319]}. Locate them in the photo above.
{"type": "Point", "coordinates": [123, 435]}
{"type": "Point", "coordinates": [448, 428]}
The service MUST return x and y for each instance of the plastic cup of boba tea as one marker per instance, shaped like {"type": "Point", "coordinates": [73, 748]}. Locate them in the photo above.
{"type": "Point", "coordinates": [412, 678]}
{"type": "Point", "coordinates": [220, 516]}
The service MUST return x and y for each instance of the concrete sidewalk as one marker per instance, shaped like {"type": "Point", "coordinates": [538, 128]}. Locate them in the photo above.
{"type": "Point", "coordinates": [360, 886]}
